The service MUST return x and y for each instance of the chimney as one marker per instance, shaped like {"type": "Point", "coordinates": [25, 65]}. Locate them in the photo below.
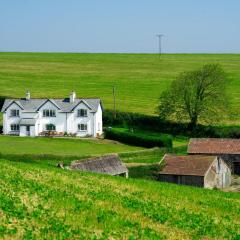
{"type": "Point", "coordinates": [28, 95]}
{"type": "Point", "coordinates": [72, 97]}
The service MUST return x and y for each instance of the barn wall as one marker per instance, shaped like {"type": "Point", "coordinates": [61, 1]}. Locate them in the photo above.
{"type": "Point", "coordinates": [232, 160]}
{"type": "Point", "coordinates": [218, 175]}
{"type": "Point", "coordinates": [197, 181]}
{"type": "Point", "coordinates": [210, 179]}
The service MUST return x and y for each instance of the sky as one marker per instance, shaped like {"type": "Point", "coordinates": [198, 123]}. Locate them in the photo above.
{"type": "Point", "coordinates": [125, 26]}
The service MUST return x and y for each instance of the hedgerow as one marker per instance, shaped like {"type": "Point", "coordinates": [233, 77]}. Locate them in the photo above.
{"type": "Point", "coordinates": [138, 139]}
{"type": "Point", "coordinates": [154, 123]}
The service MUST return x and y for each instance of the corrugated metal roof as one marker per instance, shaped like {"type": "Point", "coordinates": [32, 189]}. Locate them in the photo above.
{"type": "Point", "coordinates": [191, 165]}
{"type": "Point", "coordinates": [214, 146]}
{"type": "Point", "coordinates": [65, 105]}
{"type": "Point", "coordinates": [27, 121]}
{"type": "Point", "coordinates": [107, 164]}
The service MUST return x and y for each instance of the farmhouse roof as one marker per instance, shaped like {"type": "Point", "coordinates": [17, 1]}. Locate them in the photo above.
{"type": "Point", "coordinates": [214, 146]}
{"type": "Point", "coordinates": [33, 104]}
{"type": "Point", "coordinates": [190, 165]}
{"type": "Point", "coordinates": [107, 164]}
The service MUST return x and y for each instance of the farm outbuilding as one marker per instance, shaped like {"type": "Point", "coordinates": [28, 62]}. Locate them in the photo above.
{"type": "Point", "coordinates": [196, 170]}
{"type": "Point", "coordinates": [107, 164]}
{"type": "Point", "coordinates": [227, 149]}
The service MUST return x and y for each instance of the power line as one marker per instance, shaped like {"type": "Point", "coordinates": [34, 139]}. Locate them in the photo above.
{"type": "Point", "coordinates": [160, 43]}
{"type": "Point", "coordinates": [114, 102]}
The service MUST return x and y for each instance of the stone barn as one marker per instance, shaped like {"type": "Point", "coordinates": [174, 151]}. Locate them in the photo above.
{"type": "Point", "coordinates": [195, 170]}
{"type": "Point", "coordinates": [227, 149]}
{"type": "Point", "coordinates": [107, 164]}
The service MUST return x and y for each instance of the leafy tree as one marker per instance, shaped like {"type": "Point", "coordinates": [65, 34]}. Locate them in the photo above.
{"type": "Point", "coordinates": [195, 95]}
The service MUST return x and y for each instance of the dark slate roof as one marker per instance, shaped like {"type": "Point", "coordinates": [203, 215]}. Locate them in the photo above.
{"type": "Point", "coordinates": [28, 121]}
{"type": "Point", "coordinates": [214, 146]}
{"type": "Point", "coordinates": [107, 164]}
{"type": "Point", "coordinates": [190, 165]}
{"type": "Point", "coordinates": [64, 105]}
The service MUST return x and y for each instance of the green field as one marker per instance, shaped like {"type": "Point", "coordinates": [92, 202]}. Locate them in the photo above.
{"type": "Point", "coordinates": [40, 201]}
{"type": "Point", "coordinates": [139, 78]}
{"type": "Point", "coordinates": [61, 147]}
{"type": "Point", "coordinates": [43, 202]}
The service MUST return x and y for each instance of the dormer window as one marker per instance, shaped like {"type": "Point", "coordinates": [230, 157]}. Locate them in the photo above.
{"type": "Point", "coordinates": [49, 113]}
{"type": "Point", "coordinates": [82, 113]}
{"type": "Point", "coordinates": [14, 113]}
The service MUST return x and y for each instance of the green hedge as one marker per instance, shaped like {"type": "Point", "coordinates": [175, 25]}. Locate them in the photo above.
{"type": "Point", "coordinates": [154, 123]}
{"type": "Point", "coordinates": [138, 139]}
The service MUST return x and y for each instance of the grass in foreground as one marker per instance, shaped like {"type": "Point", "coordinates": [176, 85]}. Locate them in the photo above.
{"type": "Point", "coordinates": [40, 202]}
{"type": "Point", "coordinates": [139, 78]}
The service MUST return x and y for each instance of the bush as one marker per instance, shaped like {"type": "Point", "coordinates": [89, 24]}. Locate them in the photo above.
{"type": "Point", "coordinates": [138, 139]}
{"type": "Point", "coordinates": [154, 123]}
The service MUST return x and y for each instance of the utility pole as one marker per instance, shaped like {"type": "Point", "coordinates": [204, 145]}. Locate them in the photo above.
{"type": "Point", "coordinates": [114, 103]}
{"type": "Point", "coordinates": [160, 43]}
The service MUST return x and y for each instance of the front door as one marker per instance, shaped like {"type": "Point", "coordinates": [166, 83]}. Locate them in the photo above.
{"type": "Point", "coordinates": [28, 130]}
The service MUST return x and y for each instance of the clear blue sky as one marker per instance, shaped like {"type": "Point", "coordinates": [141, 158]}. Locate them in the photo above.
{"type": "Point", "coordinates": [120, 25]}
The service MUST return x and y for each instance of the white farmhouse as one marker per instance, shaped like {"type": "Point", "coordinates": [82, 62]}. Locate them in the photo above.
{"type": "Point", "coordinates": [32, 117]}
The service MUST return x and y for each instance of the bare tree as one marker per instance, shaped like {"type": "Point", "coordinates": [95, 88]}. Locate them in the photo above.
{"type": "Point", "coordinates": [195, 95]}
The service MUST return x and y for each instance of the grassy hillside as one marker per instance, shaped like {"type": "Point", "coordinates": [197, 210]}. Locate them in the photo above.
{"type": "Point", "coordinates": [40, 202]}
{"type": "Point", "coordinates": [61, 146]}
{"type": "Point", "coordinates": [139, 78]}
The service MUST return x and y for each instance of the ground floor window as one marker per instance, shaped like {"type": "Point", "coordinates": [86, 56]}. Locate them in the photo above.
{"type": "Point", "coordinates": [82, 127]}
{"type": "Point", "coordinates": [14, 127]}
{"type": "Point", "coordinates": [50, 127]}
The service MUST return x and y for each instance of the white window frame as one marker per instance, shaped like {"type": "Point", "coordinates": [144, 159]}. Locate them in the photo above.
{"type": "Point", "coordinates": [15, 127]}
{"type": "Point", "coordinates": [49, 113]}
{"type": "Point", "coordinates": [14, 113]}
{"type": "Point", "coordinates": [82, 127]}
{"type": "Point", "coordinates": [82, 112]}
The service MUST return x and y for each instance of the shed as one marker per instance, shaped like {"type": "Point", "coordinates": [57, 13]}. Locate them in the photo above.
{"type": "Point", "coordinates": [196, 170]}
{"type": "Point", "coordinates": [106, 164]}
{"type": "Point", "coordinates": [226, 148]}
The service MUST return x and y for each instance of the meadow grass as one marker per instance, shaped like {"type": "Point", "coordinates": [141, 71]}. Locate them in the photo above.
{"type": "Point", "coordinates": [61, 146]}
{"type": "Point", "coordinates": [42, 202]}
{"type": "Point", "coordinates": [139, 78]}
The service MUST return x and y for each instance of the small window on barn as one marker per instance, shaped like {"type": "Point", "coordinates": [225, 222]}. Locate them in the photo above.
{"type": "Point", "coordinates": [82, 127]}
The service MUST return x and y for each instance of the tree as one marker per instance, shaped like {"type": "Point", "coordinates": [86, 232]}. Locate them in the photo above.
{"type": "Point", "coordinates": [195, 95]}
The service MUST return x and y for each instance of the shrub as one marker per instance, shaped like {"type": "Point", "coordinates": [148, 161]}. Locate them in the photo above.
{"type": "Point", "coordinates": [154, 123]}
{"type": "Point", "coordinates": [138, 139]}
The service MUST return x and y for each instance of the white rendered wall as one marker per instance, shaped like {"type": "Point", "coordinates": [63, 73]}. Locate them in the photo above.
{"type": "Point", "coordinates": [8, 120]}
{"type": "Point", "coordinates": [98, 121]}
{"type": "Point", "coordinates": [74, 120]}
{"type": "Point", "coordinates": [64, 122]}
{"type": "Point", "coordinates": [58, 121]}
